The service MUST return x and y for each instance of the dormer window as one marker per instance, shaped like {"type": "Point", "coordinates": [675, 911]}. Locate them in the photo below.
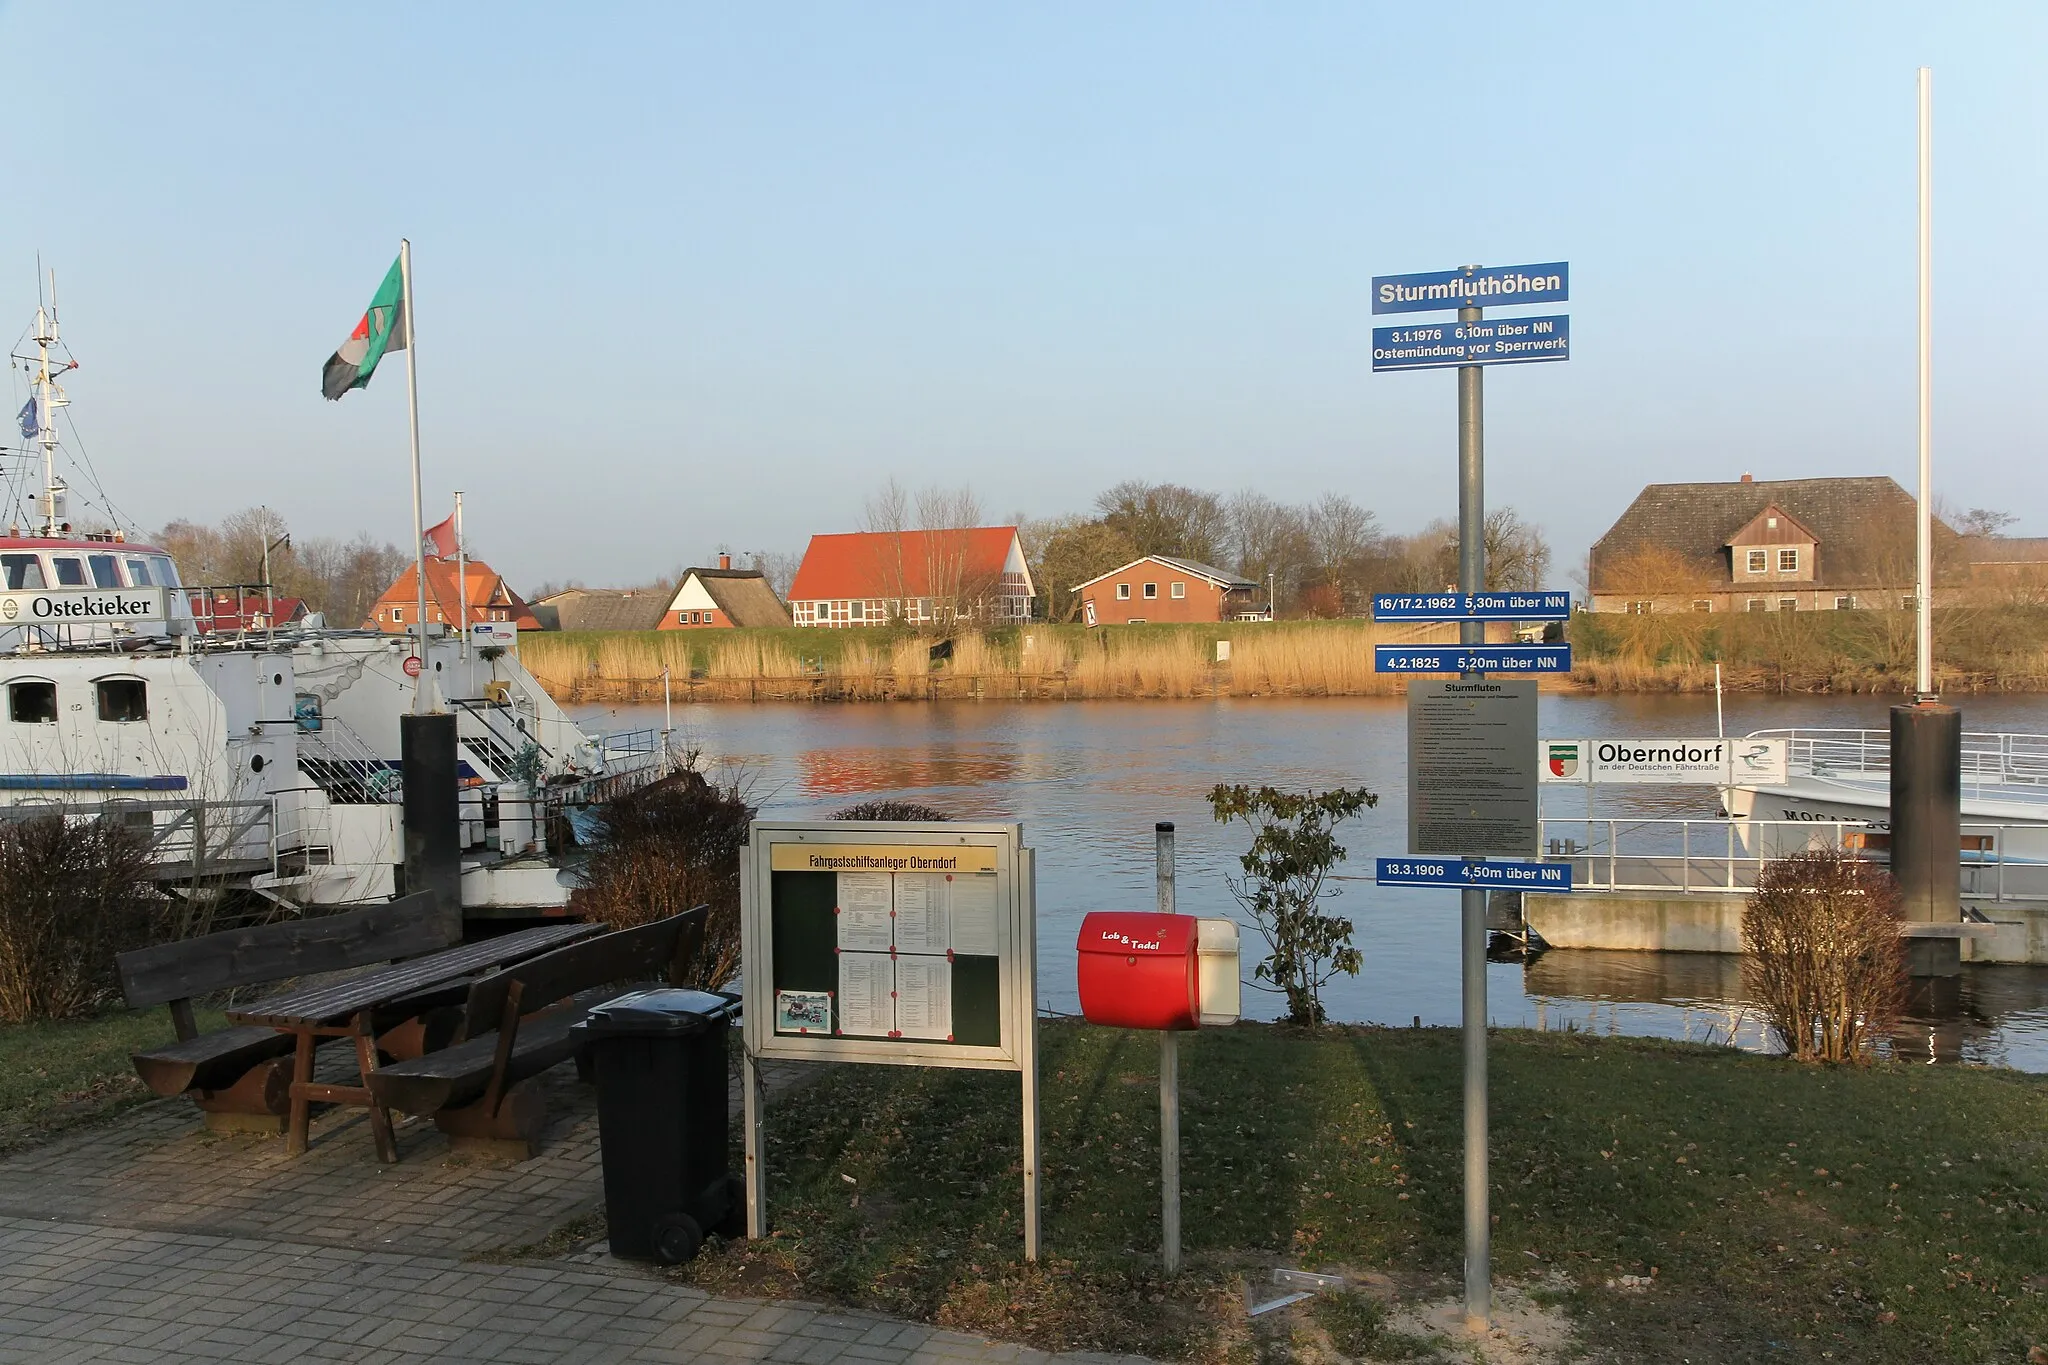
{"type": "Point", "coordinates": [1788, 561]}
{"type": "Point", "coordinates": [1759, 561]}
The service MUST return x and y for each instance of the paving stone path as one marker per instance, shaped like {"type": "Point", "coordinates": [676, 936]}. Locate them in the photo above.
{"type": "Point", "coordinates": [149, 1240]}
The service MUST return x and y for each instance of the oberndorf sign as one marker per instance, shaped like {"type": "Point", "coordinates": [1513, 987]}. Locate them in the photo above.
{"type": "Point", "coordinates": [81, 606]}
{"type": "Point", "coordinates": [1710, 762]}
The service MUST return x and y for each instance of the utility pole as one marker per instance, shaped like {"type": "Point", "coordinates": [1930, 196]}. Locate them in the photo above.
{"type": "Point", "coordinates": [1472, 919]}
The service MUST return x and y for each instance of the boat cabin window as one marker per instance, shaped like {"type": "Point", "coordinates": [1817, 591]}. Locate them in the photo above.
{"type": "Point", "coordinates": [138, 574]}
{"type": "Point", "coordinates": [123, 699]}
{"type": "Point", "coordinates": [105, 572]}
{"type": "Point", "coordinates": [22, 571]}
{"type": "Point", "coordinates": [32, 703]}
{"type": "Point", "coordinates": [166, 574]}
{"type": "Point", "coordinates": [70, 570]}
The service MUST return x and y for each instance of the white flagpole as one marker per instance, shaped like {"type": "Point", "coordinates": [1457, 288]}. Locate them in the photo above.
{"type": "Point", "coordinates": [419, 525]}
{"type": "Point", "coordinates": [461, 580]}
{"type": "Point", "coordinates": [1923, 588]}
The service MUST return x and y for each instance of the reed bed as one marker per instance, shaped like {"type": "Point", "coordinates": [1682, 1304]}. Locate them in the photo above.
{"type": "Point", "coordinates": [1321, 659]}
{"type": "Point", "coordinates": [1978, 650]}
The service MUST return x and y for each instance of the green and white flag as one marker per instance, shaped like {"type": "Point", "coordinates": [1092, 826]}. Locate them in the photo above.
{"type": "Point", "coordinates": [382, 329]}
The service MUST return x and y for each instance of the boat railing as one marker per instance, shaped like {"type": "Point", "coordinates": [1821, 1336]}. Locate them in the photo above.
{"type": "Point", "coordinates": [193, 837]}
{"type": "Point", "coordinates": [1625, 854]}
{"type": "Point", "coordinates": [1990, 758]}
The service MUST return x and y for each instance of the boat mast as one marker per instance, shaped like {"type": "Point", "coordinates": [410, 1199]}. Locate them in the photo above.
{"type": "Point", "coordinates": [48, 398]}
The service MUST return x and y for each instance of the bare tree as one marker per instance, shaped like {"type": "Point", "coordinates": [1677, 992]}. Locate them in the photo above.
{"type": "Point", "coordinates": [1168, 519]}
{"type": "Point", "coordinates": [1068, 551]}
{"type": "Point", "coordinates": [779, 568]}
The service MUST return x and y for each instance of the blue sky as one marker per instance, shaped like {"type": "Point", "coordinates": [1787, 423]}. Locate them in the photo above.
{"type": "Point", "coordinates": [694, 275]}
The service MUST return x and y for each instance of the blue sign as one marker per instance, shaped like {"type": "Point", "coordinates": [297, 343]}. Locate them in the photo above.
{"type": "Point", "coordinates": [1455, 872]}
{"type": "Point", "coordinates": [1472, 659]}
{"type": "Point", "coordinates": [1472, 606]}
{"type": "Point", "coordinates": [1477, 286]}
{"type": "Point", "coordinates": [1494, 341]}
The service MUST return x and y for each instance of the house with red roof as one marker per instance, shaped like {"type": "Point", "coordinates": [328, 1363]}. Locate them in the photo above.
{"type": "Point", "coordinates": [870, 578]}
{"type": "Point", "coordinates": [485, 594]}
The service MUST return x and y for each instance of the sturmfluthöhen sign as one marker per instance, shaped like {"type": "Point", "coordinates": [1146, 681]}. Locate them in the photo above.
{"type": "Point", "coordinates": [1436, 291]}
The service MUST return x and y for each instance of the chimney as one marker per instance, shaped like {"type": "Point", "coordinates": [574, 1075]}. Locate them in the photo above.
{"type": "Point", "coordinates": [725, 561]}
{"type": "Point", "coordinates": [1749, 478]}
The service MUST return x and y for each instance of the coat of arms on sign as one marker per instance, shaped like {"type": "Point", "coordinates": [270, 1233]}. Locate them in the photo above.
{"type": "Point", "coordinates": [1564, 759]}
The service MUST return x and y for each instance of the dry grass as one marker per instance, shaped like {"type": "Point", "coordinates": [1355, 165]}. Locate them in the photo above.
{"type": "Point", "coordinates": [1320, 659]}
{"type": "Point", "coordinates": [1979, 649]}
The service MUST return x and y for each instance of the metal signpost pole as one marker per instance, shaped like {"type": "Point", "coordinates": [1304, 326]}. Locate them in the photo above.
{"type": "Point", "coordinates": [1169, 1086]}
{"type": "Point", "coordinates": [1472, 578]}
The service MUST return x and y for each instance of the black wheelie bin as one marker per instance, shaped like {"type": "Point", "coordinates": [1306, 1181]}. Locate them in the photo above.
{"type": "Point", "coordinates": [660, 1063]}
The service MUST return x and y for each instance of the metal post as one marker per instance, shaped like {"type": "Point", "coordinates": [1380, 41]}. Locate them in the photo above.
{"type": "Point", "coordinates": [755, 1177]}
{"type": "Point", "coordinates": [1472, 578]}
{"type": "Point", "coordinates": [1169, 1082]}
{"type": "Point", "coordinates": [1027, 1036]}
{"type": "Point", "coordinates": [461, 582]}
{"type": "Point", "coordinates": [1923, 590]}
{"type": "Point", "coordinates": [412, 405]}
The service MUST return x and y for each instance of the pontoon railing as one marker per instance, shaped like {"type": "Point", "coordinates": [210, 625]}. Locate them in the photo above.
{"type": "Point", "coordinates": [1625, 854]}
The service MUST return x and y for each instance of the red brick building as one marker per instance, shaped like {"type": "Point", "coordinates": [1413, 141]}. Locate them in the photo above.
{"type": "Point", "coordinates": [489, 598]}
{"type": "Point", "coordinates": [1160, 588]}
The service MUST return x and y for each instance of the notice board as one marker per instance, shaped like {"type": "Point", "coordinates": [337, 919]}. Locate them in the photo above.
{"type": "Point", "coordinates": [889, 941]}
{"type": "Point", "coordinates": [1472, 767]}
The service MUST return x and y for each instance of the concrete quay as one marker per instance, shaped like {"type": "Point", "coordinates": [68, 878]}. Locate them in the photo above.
{"type": "Point", "coordinates": [1711, 922]}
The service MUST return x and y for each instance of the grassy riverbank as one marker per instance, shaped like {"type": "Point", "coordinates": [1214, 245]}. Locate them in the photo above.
{"type": "Point", "coordinates": [57, 1075]}
{"type": "Point", "coordinates": [1978, 649]}
{"type": "Point", "coordinates": [1663, 1201]}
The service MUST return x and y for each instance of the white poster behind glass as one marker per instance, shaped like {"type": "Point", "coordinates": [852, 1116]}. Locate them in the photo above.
{"type": "Point", "coordinates": [924, 997]}
{"type": "Point", "coordinates": [921, 912]}
{"type": "Point", "coordinates": [866, 986]}
{"type": "Point", "coordinates": [973, 896]}
{"type": "Point", "coordinates": [864, 901]}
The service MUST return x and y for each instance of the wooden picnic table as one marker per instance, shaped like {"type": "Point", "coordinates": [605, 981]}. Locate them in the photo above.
{"type": "Point", "coordinates": [346, 1008]}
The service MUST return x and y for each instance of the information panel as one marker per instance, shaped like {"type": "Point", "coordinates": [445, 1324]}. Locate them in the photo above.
{"type": "Point", "coordinates": [1472, 767]}
{"type": "Point", "coordinates": [888, 942]}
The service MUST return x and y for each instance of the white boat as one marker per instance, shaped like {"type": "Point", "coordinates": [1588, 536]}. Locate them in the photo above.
{"type": "Point", "coordinates": [264, 759]}
{"type": "Point", "coordinates": [1838, 775]}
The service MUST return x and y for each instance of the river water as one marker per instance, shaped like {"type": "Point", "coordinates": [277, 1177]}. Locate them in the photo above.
{"type": "Point", "coordinates": [1088, 780]}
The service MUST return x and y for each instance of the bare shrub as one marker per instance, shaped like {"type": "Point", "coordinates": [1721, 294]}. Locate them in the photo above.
{"type": "Point", "coordinates": [887, 809]}
{"type": "Point", "coordinates": [73, 893]}
{"type": "Point", "coordinates": [669, 846]}
{"type": "Point", "coordinates": [1821, 934]}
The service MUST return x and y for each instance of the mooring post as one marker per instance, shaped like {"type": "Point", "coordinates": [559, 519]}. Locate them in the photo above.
{"type": "Point", "coordinates": [1169, 1084]}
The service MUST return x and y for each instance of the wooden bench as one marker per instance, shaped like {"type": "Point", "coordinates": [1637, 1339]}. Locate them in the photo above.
{"type": "Point", "coordinates": [516, 1024]}
{"type": "Point", "coordinates": [241, 1077]}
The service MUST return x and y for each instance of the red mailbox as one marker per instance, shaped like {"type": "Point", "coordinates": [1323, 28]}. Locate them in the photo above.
{"type": "Point", "coordinates": [1137, 969]}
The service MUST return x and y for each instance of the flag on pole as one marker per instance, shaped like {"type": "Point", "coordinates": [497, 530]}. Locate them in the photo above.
{"type": "Point", "coordinates": [382, 329]}
{"type": "Point", "coordinates": [438, 542]}
{"type": "Point", "coordinates": [31, 420]}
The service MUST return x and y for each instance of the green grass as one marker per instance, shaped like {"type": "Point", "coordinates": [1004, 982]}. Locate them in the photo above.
{"type": "Point", "coordinates": [57, 1075]}
{"type": "Point", "coordinates": [1780, 1212]}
